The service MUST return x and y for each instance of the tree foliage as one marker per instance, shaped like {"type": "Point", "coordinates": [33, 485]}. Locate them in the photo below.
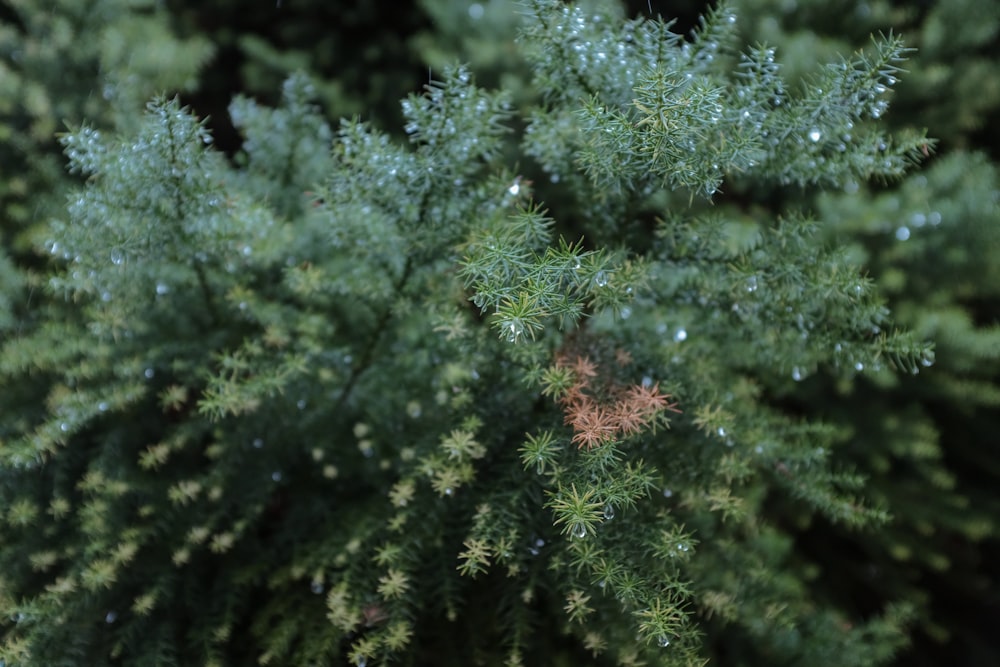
{"type": "Point", "coordinates": [318, 402]}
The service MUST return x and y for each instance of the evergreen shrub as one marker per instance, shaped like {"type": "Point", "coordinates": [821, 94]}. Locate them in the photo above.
{"type": "Point", "coordinates": [347, 400]}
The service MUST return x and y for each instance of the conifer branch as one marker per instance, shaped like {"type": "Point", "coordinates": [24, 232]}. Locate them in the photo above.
{"type": "Point", "coordinates": [367, 355]}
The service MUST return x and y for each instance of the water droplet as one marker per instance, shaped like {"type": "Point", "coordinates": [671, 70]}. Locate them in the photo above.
{"type": "Point", "coordinates": [514, 332]}
{"type": "Point", "coordinates": [752, 284]}
{"type": "Point", "coordinates": [258, 443]}
{"type": "Point", "coordinates": [928, 359]}
{"type": "Point", "coordinates": [301, 404]}
{"type": "Point", "coordinates": [859, 366]}
{"type": "Point", "coordinates": [149, 373]}
{"type": "Point", "coordinates": [476, 11]}
{"type": "Point", "coordinates": [609, 512]}
{"type": "Point", "coordinates": [721, 431]}
{"type": "Point", "coordinates": [64, 427]}
{"type": "Point", "coordinates": [815, 135]}
{"type": "Point", "coordinates": [449, 491]}
{"type": "Point", "coordinates": [316, 587]}
{"type": "Point", "coordinates": [102, 406]}
{"type": "Point", "coordinates": [579, 531]}
{"type": "Point", "coordinates": [601, 279]}
{"type": "Point", "coordinates": [362, 662]}
{"type": "Point", "coordinates": [276, 476]}
{"type": "Point", "coordinates": [111, 617]}
{"type": "Point", "coordinates": [683, 547]}
{"type": "Point", "coordinates": [514, 188]}
{"type": "Point", "coordinates": [667, 493]}
{"type": "Point", "coordinates": [797, 374]}
{"type": "Point", "coordinates": [535, 548]}
{"type": "Point", "coordinates": [414, 409]}
{"type": "Point", "coordinates": [903, 233]}
{"type": "Point", "coordinates": [116, 257]}
{"type": "Point", "coordinates": [161, 289]}
{"type": "Point", "coordinates": [681, 335]}
{"type": "Point", "coordinates": [663, 641]}
{"type": "Point", "coordinates": [934, 218]}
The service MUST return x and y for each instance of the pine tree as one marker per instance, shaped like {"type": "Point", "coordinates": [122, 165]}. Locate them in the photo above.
{"type": "Point", "coordinates": [317, 404]}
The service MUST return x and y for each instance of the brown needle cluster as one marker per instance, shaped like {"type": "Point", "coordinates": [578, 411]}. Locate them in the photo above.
{"type": "Point", "coordinates": [620, 411]}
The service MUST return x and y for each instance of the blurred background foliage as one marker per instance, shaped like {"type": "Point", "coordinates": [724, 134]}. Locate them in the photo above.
{"type": "Point", "coordinates": [930, 241]}
{"type": "Point", "coordinates": [66, 61]}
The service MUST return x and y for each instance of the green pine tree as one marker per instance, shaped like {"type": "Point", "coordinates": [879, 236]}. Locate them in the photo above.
{"type": "Point", "coordinates": [342, 399]}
